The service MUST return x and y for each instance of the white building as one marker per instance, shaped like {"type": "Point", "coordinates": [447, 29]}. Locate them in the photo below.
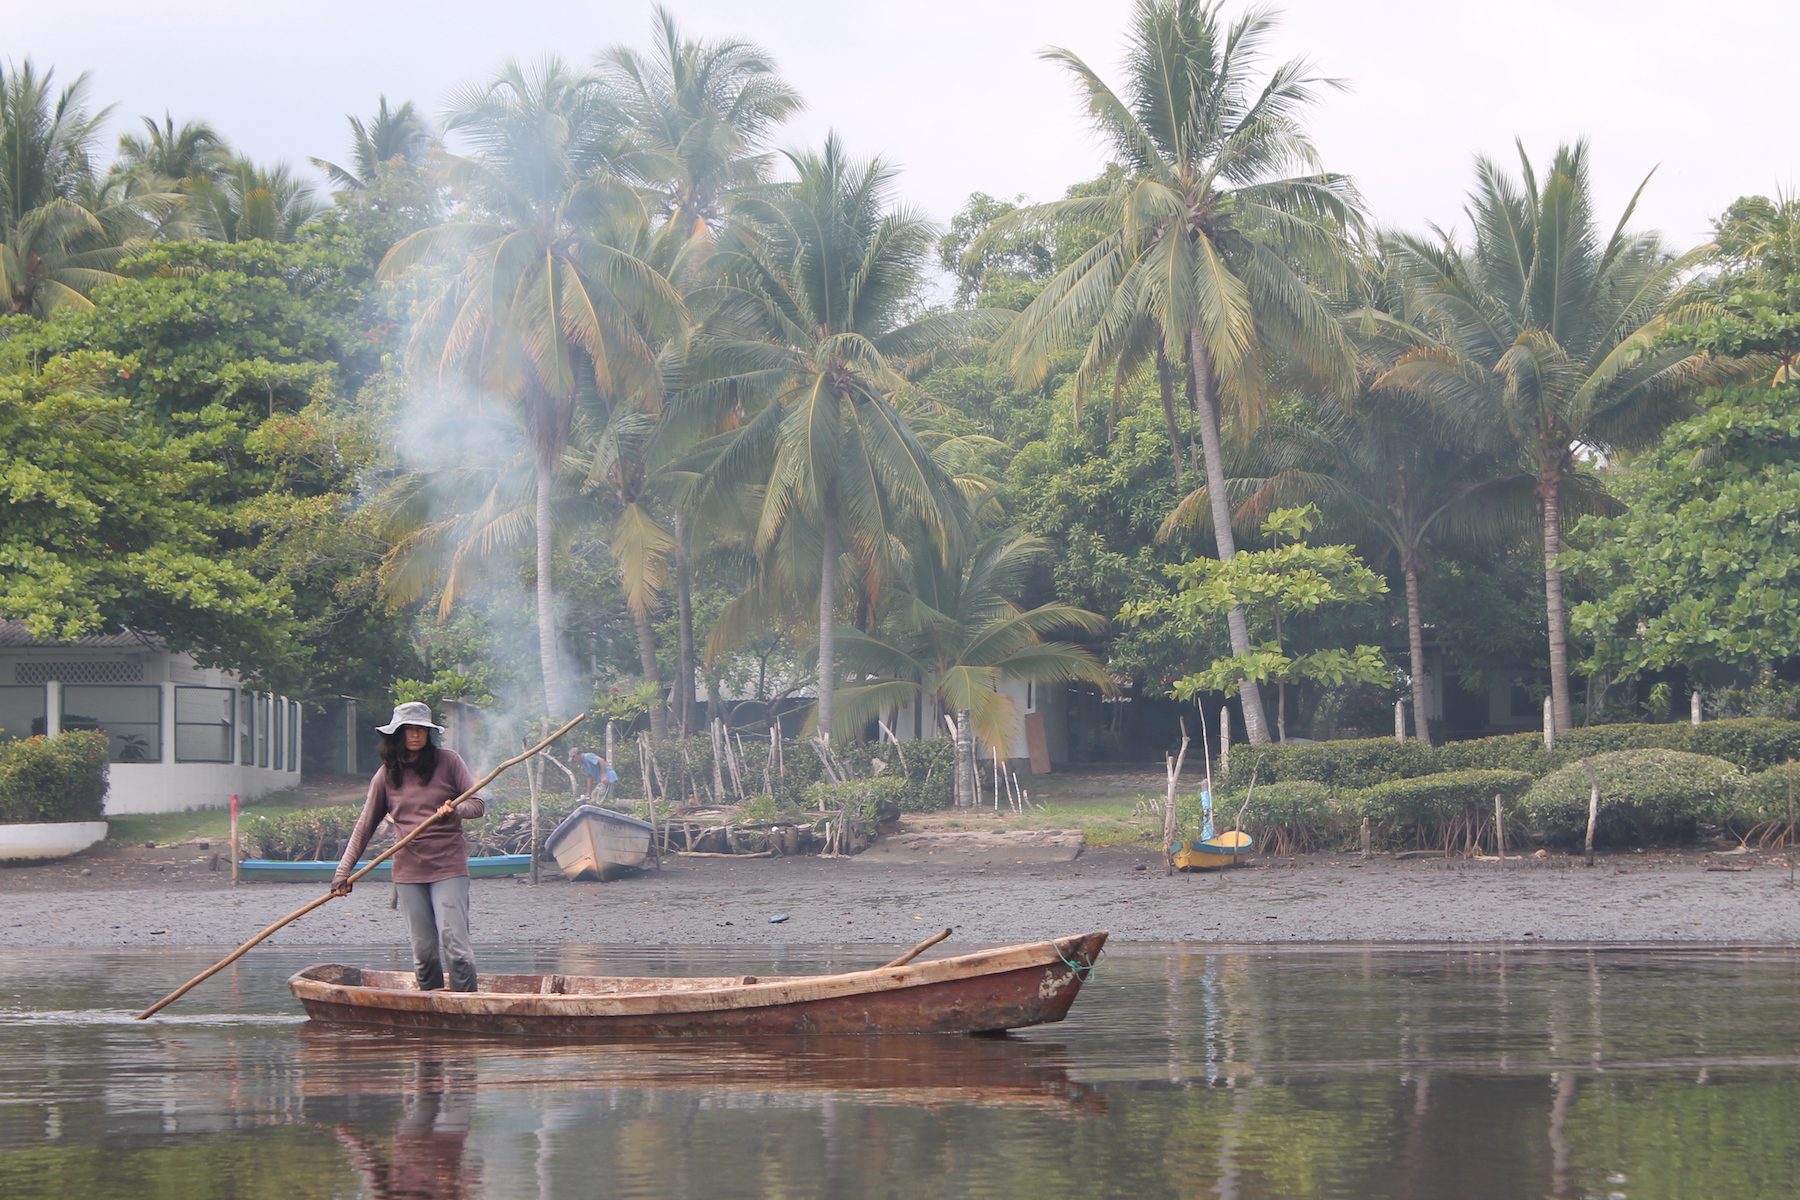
{"type": "Point", "coordinates": [182, 736]}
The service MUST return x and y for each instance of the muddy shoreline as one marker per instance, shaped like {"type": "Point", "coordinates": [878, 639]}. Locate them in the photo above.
{"type": "Point", "coordinates": [181, 896]}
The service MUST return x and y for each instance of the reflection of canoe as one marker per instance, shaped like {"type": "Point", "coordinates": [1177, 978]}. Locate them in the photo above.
{"type": "Point", "coordinates": [598, 843]}
{"type": "Point", "coordinates": [364, 1066]}
{"type": "Point", "coordinates": [984, 992]}
{"type": "Point", "coordinates": [270, 870]}
{"type": "Point", "coordinates": [1228, 849]}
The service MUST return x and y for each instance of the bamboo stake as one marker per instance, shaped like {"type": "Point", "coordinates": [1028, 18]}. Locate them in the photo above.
{"type": "Point", "coordinates": [718, 774]}
{"type": "Point", "coordinates": [1499, 831]}
{"type": "Point", "coordinates": [373, 863]}
{"type": "Point", "coordinates": [898, 752]}
{"type": "Point", "coordinates": [917, 950]}
{"type": "Point", "coordinates": [531, 781]}
{"type": "Point", "coordinates": [1593, 808]}
{"type": "Point", "coordinates": [1172, 764]}
{"type": "Point", "coordinates": [646, 761]}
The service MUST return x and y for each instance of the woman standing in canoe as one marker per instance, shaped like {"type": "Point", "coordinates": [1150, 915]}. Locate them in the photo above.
{"type": "Point", "coordinates": [418, 779]}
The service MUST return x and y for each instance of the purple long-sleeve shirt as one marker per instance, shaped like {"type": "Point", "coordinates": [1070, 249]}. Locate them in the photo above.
{"type": "Point", "coordinates": [439, 852]}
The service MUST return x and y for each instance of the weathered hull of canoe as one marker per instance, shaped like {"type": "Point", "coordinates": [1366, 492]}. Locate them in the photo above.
{"type": "Point", "coordinates": [598, 843]}
{"type": "Point", "coordinates": [985, 992]}
{"type": "Point", "coordinates": [315, 870]}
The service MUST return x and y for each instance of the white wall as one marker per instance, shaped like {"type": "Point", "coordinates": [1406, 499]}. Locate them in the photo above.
{"type": "Point", "coordinates": [168, 785]}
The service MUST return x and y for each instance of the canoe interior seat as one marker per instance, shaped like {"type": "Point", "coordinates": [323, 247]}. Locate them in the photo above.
{"type": "Point", "coordinates": [554, 985]}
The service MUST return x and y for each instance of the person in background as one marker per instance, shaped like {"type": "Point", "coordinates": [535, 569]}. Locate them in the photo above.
{"type": "Point", "coordinates": [595, 767]}
{"type": "Point", "coordinates": [418, 779]}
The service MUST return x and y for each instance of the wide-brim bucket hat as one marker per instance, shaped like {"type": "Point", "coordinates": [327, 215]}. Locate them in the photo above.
{"type": "Point", "coordinates": [410, 713]}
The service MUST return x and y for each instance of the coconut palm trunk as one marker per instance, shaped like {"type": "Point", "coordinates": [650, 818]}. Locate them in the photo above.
{"type": "Point", "coordinates": [684, 608]}
{"type": "Point", "coordinates": [965, 761]}
{"type": "Point", "coordinates": [1415, 646]}
{"type": "Point", "coordinates": [546, 596]}
{"type": "Point", "coordinates": [1165, 380]}
{"type": "Point", "coordinates": [1207, 397]}
{"type": "Point", "coordinates": [646, 638]}
{"type": "Point", "coordinates": [828, 565]}
{"type": "Point", "coordinates": [1556, 615]}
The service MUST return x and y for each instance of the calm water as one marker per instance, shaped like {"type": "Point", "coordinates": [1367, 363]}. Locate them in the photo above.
{"type": "Point", "coordinates": [1261, 1073]}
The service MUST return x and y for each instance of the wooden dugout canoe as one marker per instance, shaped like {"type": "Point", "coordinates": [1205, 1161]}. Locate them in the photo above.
{"type": "Point", "coordinates": [989, 991]}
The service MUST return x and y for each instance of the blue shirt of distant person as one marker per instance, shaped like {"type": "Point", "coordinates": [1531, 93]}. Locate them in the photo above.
{"type": "Point", "coordinates": [594, 766]}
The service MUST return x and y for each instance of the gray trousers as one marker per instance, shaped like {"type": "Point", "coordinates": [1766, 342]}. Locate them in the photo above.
{"type": "Point", "coordinates": [437, 920]}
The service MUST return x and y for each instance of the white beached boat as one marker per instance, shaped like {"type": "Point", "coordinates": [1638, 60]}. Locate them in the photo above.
{"type": "Point", "coordinates": [598, 843]}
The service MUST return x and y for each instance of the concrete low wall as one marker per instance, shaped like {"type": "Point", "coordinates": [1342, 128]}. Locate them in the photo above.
{"type": "Point", "coordinates": [178, 787]}
{"type": "Point", "coordinates": [20, 843]}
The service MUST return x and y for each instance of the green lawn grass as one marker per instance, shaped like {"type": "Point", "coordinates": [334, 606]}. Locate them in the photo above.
{"type": "Point", "coordinates": [1105, 803]}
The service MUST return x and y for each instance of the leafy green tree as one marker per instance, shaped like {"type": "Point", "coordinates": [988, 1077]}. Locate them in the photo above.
{"type": "Point", "coordinates": [106, 523]}
{"type": "Point", "coordinates": [1555, 337]}
{"type": "Point", "coordinates": [1699, 571]}
{"type": "Point", "coordinates": [810, 337]}
{"type": "Point", "coordinates": [1214, 255]}
{"type": "Point", "coordinates": [246, 356]}
{"type": "Point", "coordinates": [543, 297]}
{"type": "Point", "coordinates": [1288, 579]}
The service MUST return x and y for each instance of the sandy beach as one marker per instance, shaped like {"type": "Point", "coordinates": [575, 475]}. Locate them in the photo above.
{"type": "Point", "coordinates": [988, 890]}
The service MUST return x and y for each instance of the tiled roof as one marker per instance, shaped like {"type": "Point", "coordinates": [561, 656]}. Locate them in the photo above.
{"type": "Point", "coordinates": [13, 636]}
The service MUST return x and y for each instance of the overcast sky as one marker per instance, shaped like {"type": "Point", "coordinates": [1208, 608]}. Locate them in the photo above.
{"type": "Point", "coordinates": [952, 91]}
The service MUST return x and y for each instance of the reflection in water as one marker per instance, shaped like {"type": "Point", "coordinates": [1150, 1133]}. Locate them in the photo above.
{"type": "Point", "coordinates": [1354, 1072]}
{"type": "Point", "coordinates": [423, 1158]}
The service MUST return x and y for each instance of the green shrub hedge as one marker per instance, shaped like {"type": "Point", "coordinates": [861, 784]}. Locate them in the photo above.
{"type": "Point", "coordinates": [1760, 810]}
{"type": "Point", "coordinates": [1429, 810]}
{"type": "Point", "coordinates": [311, 833]}
{"type": "Point", "coordinates": [1363, 762]}
{"type": "Point", "coordinates": [49, 779]}
{"type": "Point", "coordinates": [1646, 797]}
{"type": "Point", "coordinates": [1286, 818]}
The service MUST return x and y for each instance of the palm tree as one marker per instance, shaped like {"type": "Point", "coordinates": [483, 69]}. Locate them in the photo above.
{"type": "Point", "coordinates": [46, 143]}
{"type": "Point", "coordinates": [1385, 471]}
{"type": "Point", "coordinates": [1213, 252]}
{"type": "Point", "coordinates": [247, 202]}
{"type": "Point", "coordinates": [700, 113]}
{"type": "Point", "coordinates": [543, 299]}
{"type": "Point", "coordinates": [809, 339]}
{"type": "Point", "coordinates": [398, 134]}
{"type": "Point", "coordinates": [1553, 339]}
{"type": "Point", "coordinates": [61, 231]}
{"type": "Point", "coordinates": [956, 631]}
{"type": "Point", "coordinates": [697, 115]}
{"type": "Point", "coordinates": [194, 151]}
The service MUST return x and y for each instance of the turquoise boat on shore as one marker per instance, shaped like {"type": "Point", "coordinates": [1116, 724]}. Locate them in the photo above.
{"type": "Point", "coordinates": [315, 870]}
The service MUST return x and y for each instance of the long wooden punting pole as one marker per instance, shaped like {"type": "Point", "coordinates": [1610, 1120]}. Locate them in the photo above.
{"type": "Point", "coordinates": [181, 991]}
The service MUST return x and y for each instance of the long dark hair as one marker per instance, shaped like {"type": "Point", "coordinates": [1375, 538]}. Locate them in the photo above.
{"type": "Point", "coordinates": [393, 757]}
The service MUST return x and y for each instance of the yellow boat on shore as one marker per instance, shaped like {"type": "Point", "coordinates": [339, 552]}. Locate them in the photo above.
{"type": "Point", "coordinates": [1229, 849]}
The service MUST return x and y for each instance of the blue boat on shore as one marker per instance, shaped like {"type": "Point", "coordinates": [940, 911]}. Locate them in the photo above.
{"type": "Point", "coordinates": [316, 870]}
